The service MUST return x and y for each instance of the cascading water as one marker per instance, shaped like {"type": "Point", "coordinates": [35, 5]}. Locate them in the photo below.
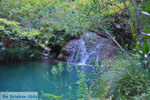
{"type": "Point", "coordinates": [87, 49]}
{"type": "Point", "coordinates": [78, 52]}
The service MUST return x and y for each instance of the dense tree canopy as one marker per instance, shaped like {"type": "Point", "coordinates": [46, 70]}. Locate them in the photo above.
{"type": "Point", "coordinates": [30, 26]}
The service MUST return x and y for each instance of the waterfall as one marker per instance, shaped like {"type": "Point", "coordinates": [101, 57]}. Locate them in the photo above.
{"type": "Point", "coordinates": [82, 54]}
{"type": "Point", "coordinates": [88, 48]}
{"type": "Point", "coordinates": [79, 52]}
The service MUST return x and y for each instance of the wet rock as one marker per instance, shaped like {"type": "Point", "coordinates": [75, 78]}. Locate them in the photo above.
{"type": "Point", "coordinates": [54, 56]}
{"type": "Point", "coordinates": [1, 43]}
{"type": "Point", "coordinates": [123, 34]}
{"type": "Point", "coordinates": [48, 49]}
{"type": "Point", "coordinates": [121, 30]}
{"type": "Point", "coordinates": [46, 56]}
{"type": "Point", "coordinates": [62, 57]}
{"type": "Point", "coordinates": [118, 26]}
{"type": "Point", "coordinates": [46, 42]}
{"type": "Point", "coordinates": [89, 47]}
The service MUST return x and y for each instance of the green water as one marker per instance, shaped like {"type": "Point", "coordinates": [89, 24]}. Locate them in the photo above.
{"type": "Point", "coordinates": [37, 77]}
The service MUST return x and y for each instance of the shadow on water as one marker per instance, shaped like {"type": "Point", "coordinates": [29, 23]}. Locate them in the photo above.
{"type": "Point", "coordinates": [37, 77]}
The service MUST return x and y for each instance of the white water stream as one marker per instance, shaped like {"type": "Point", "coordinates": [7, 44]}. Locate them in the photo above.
{"type": "Point", "coordinates": [82, 54]}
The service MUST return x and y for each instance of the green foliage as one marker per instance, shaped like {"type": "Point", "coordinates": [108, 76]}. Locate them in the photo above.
{"type": "Point", "coordinates": [14, 55]}
{"type": "Point", "coordinates": [143, 53]}
{"type": "Point", "coordinates": [26, 24]}
{"type": "Point", "coordinates": [147, 6]}
{"type": "Point", "coordinates": [17, 42]}
{"type": "Point", "coordinates": [13, 31]}
{"type": "Point", "coordinates": [133, 83]}
{"type": "Point", "coordinates": [57, 69]}
{"type": "Point", "coordinates": [82, 91]}
{"type": "Point", "coordinates": [124, 82]}
{"type": "Point", "coordinates": [22, 8]}
{"type": "Point", "coordinates": [40, 16]}
{"type": "Point", "coordinates": [50, 96]}
{"type": "Point", "coordinates": [69, 67]}
{"type": "Point", "coordinates": [97, 67]}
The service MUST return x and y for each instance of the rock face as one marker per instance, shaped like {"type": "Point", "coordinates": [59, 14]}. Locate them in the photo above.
{"type": "Point", "coordinates": [62, 57]}
{"type": "Point", "coordinates": [89, 47]}
{"type": "Point", "coordinates": [123, 33]}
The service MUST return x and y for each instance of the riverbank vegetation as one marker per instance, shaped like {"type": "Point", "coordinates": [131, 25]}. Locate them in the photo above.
{"type": "Point", "coordinates": [30, 27]}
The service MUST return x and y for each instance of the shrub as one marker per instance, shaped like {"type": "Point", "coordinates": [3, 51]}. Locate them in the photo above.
{"type": "Point", "coordinates": [14, 55]}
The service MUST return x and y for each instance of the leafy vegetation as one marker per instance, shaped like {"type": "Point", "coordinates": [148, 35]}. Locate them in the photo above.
{"type": "Point", "coordinates": [16, 42]}
{"type": "Point", "coordinates": [28, 26]}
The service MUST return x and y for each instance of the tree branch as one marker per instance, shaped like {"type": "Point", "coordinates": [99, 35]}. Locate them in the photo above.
{"type": "Point", "coordinates": [128, 14]}
{"type": "Point", "coordinates": [137, 17]}
{"type": "Point", "coordinates": [112, 38]}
